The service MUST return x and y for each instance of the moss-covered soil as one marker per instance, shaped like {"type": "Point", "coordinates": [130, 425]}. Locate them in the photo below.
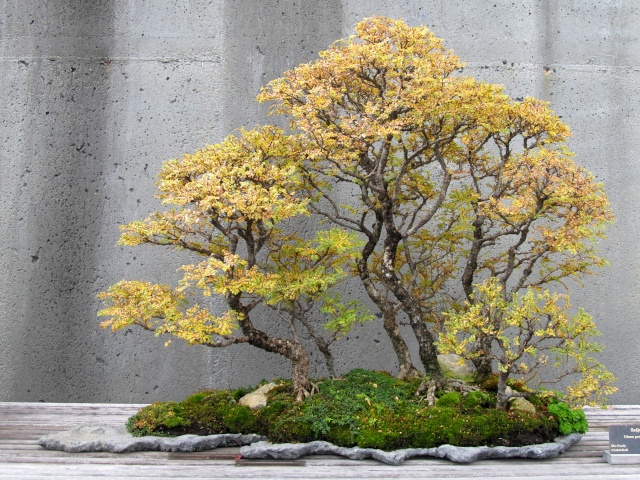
{"type": "Point", "coordinates": [367, 409]}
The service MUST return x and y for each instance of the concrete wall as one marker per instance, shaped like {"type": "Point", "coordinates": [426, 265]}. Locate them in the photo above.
{"type": "Point", "coordinates": [95, 95]}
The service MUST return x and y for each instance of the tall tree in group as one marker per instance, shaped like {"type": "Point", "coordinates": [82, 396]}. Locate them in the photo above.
{"type": "Point", "coordinates": [453, 181]}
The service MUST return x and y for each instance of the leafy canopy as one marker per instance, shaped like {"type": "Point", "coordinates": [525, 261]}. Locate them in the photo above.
{"type": "Point", "coordinates": [526, 333]}
{"type": "Point", "coordinates": [458, 208]}
{"type": "Point", "coordinates": [453, 183]}
{"type": "Point", "coordinates": [232, 204]}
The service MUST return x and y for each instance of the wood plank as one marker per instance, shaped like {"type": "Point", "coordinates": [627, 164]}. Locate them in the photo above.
{"type": "Point", "coordinates": [425, 470]}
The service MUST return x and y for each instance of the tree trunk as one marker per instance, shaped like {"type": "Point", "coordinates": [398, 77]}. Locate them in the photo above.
{"type": "Point", "coordinates": [472, 258]}
{"type": "Point", "coordinates": [321, 343]}
{"type": "Point", "coordinates": [406, 368]}
{"type": "Point", "coordinates": [300, 372]}
{"type": "Point", "coordinates": [426, 348]}
{"type": "Point", "coordinates": [323, 347]}
{"type": "Point", "coordinates": [410, 305]}
{"type": "Point", "coordinates": [503, 398]}
{"type": "Point", "coordinates": [328, 360]}
{"type": "Point", "coordinates": [292, 350]}
{"type": "Point", "coordinates": [483, 362]}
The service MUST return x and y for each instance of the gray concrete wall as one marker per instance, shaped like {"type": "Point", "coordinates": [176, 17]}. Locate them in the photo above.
{"type": "Point", "coordinates": [95, 95]}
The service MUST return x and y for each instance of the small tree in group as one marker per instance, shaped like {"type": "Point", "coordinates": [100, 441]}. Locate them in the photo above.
{"type": "Point", "coordinates": [525, 333]}
{"type": "Point", "coordinates": [451, 186]}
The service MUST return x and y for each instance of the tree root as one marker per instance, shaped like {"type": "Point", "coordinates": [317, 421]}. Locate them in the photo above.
{"type": "Point", "coordinates": [303, 393]}
{"type": "Point", "coordinates": [442, 383]}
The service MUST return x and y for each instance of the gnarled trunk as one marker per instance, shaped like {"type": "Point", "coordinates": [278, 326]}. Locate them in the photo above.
{"type": "Point", "coordinates": [292, 350]}
{"type": "Point", "coordinates": [483, 362]}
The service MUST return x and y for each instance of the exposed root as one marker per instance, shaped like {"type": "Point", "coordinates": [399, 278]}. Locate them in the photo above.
{"type": "Point", "coordinates": [409, 373]}
{"type": "Point", "coordinates": [442, 383]}
{"type": "Point", "coordinates": [304, 393]}
{"type": "Point", "coordinates": [314, 389]}
{"type": "Point", "coordinates": [430, 387]}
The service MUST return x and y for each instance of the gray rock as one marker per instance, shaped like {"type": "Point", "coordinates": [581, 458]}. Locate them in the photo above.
{"type": "Point", "coordinates": [522, 405]}
{"type": "Point", "coordinates": [288, 451]}
{"type": "Point", "coordinates": [454, 366]}
{"type": "Point", "coordinates": [102, 438]}
{"type": "Point", "coordinates": [257, 398]}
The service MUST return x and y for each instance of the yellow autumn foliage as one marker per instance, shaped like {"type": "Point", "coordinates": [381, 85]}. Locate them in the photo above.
{"type": "Point", "coordinates": [443, 195]}
{"type": "Point", "coordinates": [528, 332]}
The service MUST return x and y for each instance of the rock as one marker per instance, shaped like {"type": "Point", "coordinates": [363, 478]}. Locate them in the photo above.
{"type": "Point", "coordinates": [257, 398]}
{"type": "Point", "coordinates": [103, 438]}
{"type": "Point", "coordinates": [454, 366]}
{"type": "Point", "coordinates": [520, 404]}
{"type": "Point", "coordinates": [290, 451]}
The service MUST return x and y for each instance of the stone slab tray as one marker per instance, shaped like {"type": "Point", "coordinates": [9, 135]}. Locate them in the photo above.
{"type": "Point", "coordinates": [101, 438]}
{"type": "Point", "coordinates": [262, 450]}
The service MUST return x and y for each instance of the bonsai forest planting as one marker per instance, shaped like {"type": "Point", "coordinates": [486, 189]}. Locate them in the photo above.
{"type": "Point", "coordinates": [460, 211]}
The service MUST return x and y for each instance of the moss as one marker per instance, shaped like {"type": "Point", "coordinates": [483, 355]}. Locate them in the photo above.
{"type": "Point", "coordinates": [199, 397]}
{"type": "Point", "coordinates": [364, 408]}
{"type": "Point", "coordinates": [449, 399]}
{"type": "Point", "coordinates": [203, 413]}
{"type": "Point", "coordinates": [159, 419]}
{"type": "Point", "coordinates": [479, 399]}
{"type": "Point", "coordinates": [490, 384]}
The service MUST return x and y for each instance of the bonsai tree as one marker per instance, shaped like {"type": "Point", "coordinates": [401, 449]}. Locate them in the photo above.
{"type": "Point", "coordinates": [524, 333]}
{"type": "Point", "coordinates": [233, 203]}
{"type": "Point", "coordinates": [435, 184]}
{"type": "Point", "coordinates": [451, 182]}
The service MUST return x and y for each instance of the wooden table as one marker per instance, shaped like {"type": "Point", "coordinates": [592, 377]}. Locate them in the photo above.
{"type": "Point", "coordinates": [21, 458]}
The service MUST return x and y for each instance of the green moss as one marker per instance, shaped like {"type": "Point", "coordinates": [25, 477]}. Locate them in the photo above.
{"type": "Point", "coordinates": [199, 397]}
{"type": "Point", "coordinates": [203, 413]}
{"type": "Point", "coordinates": [449, 399]}
{"type": "Point", "coordinates": [159, 419]}
{"type": "Point", "coordinates": [490, 384]}
{"type": "Point", "coordinates": [364, 408]}
{"type": "Point", "coordinates": [479, 399]}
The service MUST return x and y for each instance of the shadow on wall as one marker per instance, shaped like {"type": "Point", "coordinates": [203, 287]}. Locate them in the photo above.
{"type": "Point", "coordinates": [63, 151]}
